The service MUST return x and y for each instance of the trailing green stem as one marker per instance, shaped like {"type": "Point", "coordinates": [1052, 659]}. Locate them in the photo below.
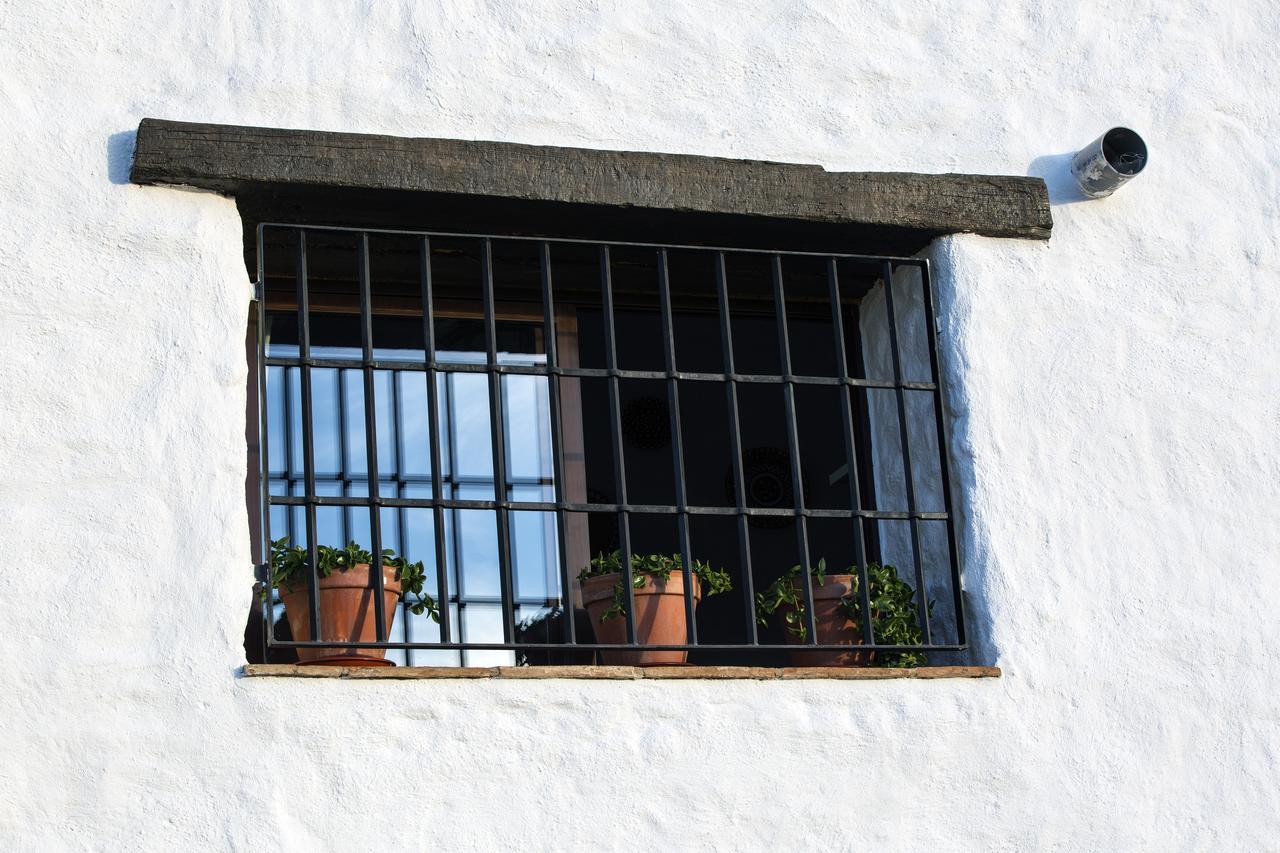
{"type": "Point", "coordinates": [291, 569]}
{"type": "Point", "coordinates": [646, 566]}
{"type": "Point", "coordinates": [894, 619]}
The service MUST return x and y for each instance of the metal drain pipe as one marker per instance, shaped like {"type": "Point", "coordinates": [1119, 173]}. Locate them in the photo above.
{"type": "Point", "coordinates": [1104, 164]}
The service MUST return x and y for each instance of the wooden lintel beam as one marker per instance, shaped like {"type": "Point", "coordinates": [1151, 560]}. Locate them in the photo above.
{"type": "Point", "coordinates": [234, 159]}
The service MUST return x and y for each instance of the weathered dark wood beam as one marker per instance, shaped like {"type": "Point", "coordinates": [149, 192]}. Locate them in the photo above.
{"type": "Point", "coordinates": [232, 159]}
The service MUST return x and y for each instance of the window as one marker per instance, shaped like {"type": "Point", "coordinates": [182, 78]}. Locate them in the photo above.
{"type": "Point", "coordinates": [505, 409]}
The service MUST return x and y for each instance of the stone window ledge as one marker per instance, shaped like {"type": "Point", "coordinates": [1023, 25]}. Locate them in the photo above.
{"type": "Point", "coordinates": [618, 673]}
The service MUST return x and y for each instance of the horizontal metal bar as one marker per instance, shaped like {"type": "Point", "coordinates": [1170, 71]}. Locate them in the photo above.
{"type": "Point", "coordinates": [350, 480]}
{"type": "Point", "coordinates": [482, 647]}
{"type": "Point", "coordinates": [524, 601]}
{"type": "Point", "coordinates": [593, 372]}
{"type": "Point", "coordinates": [642, 509]}
{"type": "Point", "coordinates": [581, 242]}
{"type": "Point", "coordinates": [471, 599]}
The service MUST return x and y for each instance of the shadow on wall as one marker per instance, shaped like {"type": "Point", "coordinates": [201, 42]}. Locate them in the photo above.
{"type": "Point", "coordinates": [1055, 170]}
{"type": "Point", "coordinates": [120, 155]}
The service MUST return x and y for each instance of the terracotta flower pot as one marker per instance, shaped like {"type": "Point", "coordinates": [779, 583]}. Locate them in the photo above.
{"type": "Point", "coordinates": [346, 615]}
{"type": "Point", "coordinates": [659, 618]}
{"type": "Point", "coordinates": [833, 624]}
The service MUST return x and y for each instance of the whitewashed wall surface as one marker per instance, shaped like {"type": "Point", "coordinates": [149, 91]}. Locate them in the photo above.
{"type": "Point", "coordinates": [1115, 404]}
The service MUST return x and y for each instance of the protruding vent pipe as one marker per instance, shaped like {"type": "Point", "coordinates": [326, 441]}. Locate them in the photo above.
{"type": "Point", "coordinates": [1108, 161]}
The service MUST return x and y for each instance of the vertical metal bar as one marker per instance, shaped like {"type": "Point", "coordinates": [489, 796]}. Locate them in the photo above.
{"type": "Point", "coordinates": [615, 426]}
{"type": "Point", "coordinates": [433, 428]}
{"type": "Point", "coordinates": [455, 515]}
{"type": "Point", "coordinates": [677, 441]}
{"type": "Point", "coordinates": [793, 443]}
{"type": "Point", "coordinates": [557, 438]}
{"type": "Point", "coordinates": [944, 445]}
{"type": "Point", "coordinates": [497, 434]}
{"type": "Point", "coordinates": [344, 481]}
{"type": "Point", "coordinates": [905, 441]}
{"type": "Point", "coordinates": [735, 448]}
{"type": "Point", "coordinates": [268, 603]}
{"type": "Point", "coordinates": [401, 512]}
{"type": "Point", "coordinates": [308, 443]}
{"type": "Point", "coordinates": [371, 436]}
{"type": "Point", "coordinates": [286, 405]}
{"type": "Point", "coordinates": [850, 447]}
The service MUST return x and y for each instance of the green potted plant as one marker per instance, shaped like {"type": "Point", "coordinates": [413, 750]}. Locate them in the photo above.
{"type": "Point", "coordinates": [658, 591]}
{"type": "Point", "coordinates": [345, 598]}
{"type": "Point", "coordinates": [837, 615]}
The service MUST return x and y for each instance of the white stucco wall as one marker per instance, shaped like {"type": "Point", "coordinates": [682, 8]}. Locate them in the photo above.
{"type": "Point", "coordinates": [1115, 410]}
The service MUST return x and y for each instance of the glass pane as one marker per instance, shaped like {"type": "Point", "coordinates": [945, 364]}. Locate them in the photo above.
{"type": "Point", "coordinates": [351, 394]}
{"type": "Point", "coordinates": [277, 422]}
{"type": "Point", "coordinates": [293, 413]}
{"type": "Point", "coordinates": [537, 624]}
{"type": "Point", "coordinates": [474, 569]}
{"type": "Point", "coordinates": [466, 408]}
{"type": "Point", "coordinates": [278, 517]}
{"type": "Point", "coordinates": [357, 518]}
{"type": "Point", "coordinates": [527, 429]}
{"type": "Point", "coordinates": [413, 428]}
{"type": "Point", "coordinates": [386, 405]}
{"type": "Point", "coordinates": [331, 521]}
{"type": "Point", "coordinates": [535, 556]}
{"type": "Point", "coordinates": [423, 630]}
{"type": "Point", "coordinates": [396, 635]}
{"type": "Point", "coordinates": [482, 623]}
{"type": "Point", "coordinates": [325, 423]}
{"type": "Point", "coordinates": [390, 518]}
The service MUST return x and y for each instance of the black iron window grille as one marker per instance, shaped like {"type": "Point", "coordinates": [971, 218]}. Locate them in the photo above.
{"type": "Point", "coordinates": [500, 407]}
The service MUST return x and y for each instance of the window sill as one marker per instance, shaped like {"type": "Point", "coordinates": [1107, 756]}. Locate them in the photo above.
{"type": "Point", "coordinates": [618, 673]}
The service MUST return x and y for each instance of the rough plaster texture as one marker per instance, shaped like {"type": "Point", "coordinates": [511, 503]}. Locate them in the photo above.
{"type": "Point", "coordinates": [1113, 399]}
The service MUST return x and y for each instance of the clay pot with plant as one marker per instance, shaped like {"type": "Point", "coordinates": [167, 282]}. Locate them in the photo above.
{"type": "Point", "coordinates": [658, 593]}
{"type": "Point", "coordinates": [837, 615]}
{"type": "Point", "coordinates": [345, 599]}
